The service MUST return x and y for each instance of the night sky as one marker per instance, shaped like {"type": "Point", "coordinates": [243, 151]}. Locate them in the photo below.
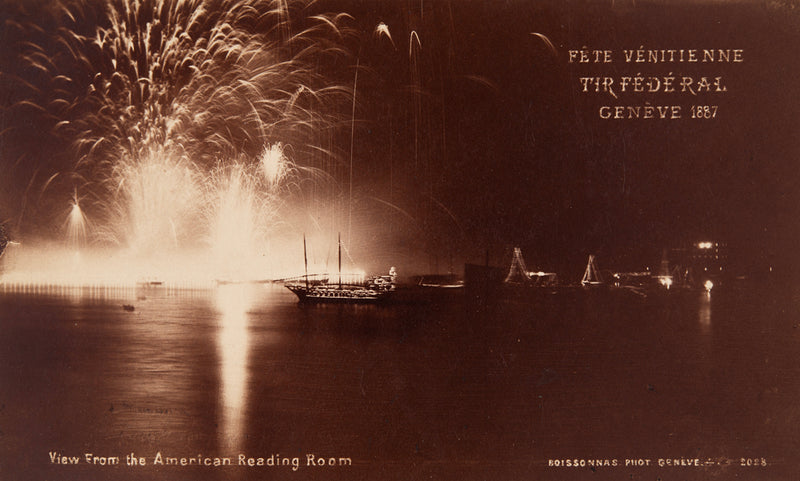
{"type": "Point", "coordinates": [471, 133]}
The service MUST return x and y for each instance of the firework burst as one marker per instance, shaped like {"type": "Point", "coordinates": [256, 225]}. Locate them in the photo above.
{"type": "Point", "coordinates": [76, 225]}
{"type": "Point", "coordinates": [180, 112]}
{"type": "Point", "coordinates": [242, 201]}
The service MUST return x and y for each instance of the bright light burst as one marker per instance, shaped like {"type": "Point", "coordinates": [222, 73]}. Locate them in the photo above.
{"type": "Point", "coordinates": [274, 165]}
{"type": "Point", "coordinates": [155, 200]}
{"type": "Point", "coordinates": [238, 216]}
{"type": "Point", "coordinates": [76, 225]}
{"type": "Point", "coordinates": [180, 113]}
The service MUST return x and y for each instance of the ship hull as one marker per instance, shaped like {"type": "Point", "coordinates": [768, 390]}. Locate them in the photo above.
{"type": "Point", "coordinates": [344, 295]}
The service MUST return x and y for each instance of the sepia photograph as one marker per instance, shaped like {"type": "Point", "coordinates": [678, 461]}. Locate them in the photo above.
{"type": "Point", "coordinates": [399, 240]}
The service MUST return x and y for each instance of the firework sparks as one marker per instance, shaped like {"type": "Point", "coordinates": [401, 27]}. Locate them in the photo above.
{"type": "Point", "coordinates": [76, 225]}
{"type": "Point", "coordinates": [383, 30]}
{"type": "Point", "coordinates": [547, 43]}
{"type": "Point", "coordinates": [238, 216]}
{"type": "Point", "coordinates": [274, 165]}
{"type": "Point", "coordinates": [180, 112]}
{"type": "Point", "coordinates": [155, 200]}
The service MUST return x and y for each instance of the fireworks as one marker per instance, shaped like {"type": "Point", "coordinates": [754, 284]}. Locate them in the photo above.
{"type": "Point", "coordinates": [76, 225]}
{"type": "Point", "coordinates": [222, 129]}
{"type": "Point", "coordinates": [181, 114]}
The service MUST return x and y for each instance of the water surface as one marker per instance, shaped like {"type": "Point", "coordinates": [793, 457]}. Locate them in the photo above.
{"type": "Point", "coordinates": [451, 390]}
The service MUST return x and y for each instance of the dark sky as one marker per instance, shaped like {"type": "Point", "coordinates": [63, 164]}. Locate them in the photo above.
{"type": "Point", "coordinates": [477, 135]}
{"type": "Point", "coordinates": [528, 161]}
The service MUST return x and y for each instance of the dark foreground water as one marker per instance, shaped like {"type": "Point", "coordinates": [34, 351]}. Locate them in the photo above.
{"type": "Point", "coordinates": [455, 390]}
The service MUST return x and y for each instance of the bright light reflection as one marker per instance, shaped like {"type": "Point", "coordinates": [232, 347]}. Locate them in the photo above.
{"type": "Point", "coordinates": [704, 314]}
{"type": "Point", "coordinates": [233, 302]}
{"type": "Point", "coordinates": [28, 266]}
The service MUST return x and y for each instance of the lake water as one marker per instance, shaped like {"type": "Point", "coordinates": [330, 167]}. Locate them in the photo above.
{"type": "Point", "coordinates": [506, 390]}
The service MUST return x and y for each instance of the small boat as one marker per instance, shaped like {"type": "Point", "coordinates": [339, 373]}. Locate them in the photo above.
{"type": "Point", "coordinates": [372, 290]}
{"type": "Point", "coordinates": [448, 281]}
{"type": "Point", "coordinates": [150, 281]}
{"type": "Point", "coordinates": [591, 276]}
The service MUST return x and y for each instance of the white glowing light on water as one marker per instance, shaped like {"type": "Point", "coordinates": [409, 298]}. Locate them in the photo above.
{"type": "Point", "coordinates": [233, 302]}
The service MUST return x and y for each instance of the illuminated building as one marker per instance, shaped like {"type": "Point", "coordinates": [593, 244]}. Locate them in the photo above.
{"type": "Point", "coordinates": [696, 263]}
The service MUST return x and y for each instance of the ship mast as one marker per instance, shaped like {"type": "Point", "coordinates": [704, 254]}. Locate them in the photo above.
{"type": "Point", "coordinates": [305, 259]}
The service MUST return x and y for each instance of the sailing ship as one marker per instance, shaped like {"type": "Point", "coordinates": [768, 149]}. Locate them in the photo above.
{"type": "Point", "coordinates": [591, 276]}
{"type": "Point", "coordinates": [374, 289]}
{"type": "Point", "coordinates": [519, 275]}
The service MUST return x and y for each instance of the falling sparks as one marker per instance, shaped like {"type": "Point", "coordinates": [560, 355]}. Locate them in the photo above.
{"type": "Point", "coordinates": [180, 114]}
{"type": "Point", "coordinates": [235, 222]}
{"type": "Point", "coordinates": [76, 225]}
{"type": "Point", "coordinates": [155, 200]}
{"type": "Point", "coordinates": [274, 165]}
{"type": "Point", "coordinates": [547, 42]}
{"type": "Point", "coordinates": [383, 30]}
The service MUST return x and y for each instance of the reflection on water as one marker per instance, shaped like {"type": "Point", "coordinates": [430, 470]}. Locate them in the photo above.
{"type": "Point", "coordinates": [407, 392]}
{"type": "Point", "coordinates": [704, 313]}
{"type": "Point", "coordinates": [233, 302]}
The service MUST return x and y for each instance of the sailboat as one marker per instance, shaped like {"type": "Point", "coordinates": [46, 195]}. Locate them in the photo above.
{"type": "Point", "coordinates": [374, 289]}
{"type": "Point", "coordinates": [591, 276]}
{"type": "Point", "coordinates": [519, 275]}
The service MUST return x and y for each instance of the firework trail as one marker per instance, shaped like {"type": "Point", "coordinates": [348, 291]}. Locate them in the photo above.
{"type": "Point", "coordinates": [175, 108]}
{"type": "Point", "coordinates": [76, 225]}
